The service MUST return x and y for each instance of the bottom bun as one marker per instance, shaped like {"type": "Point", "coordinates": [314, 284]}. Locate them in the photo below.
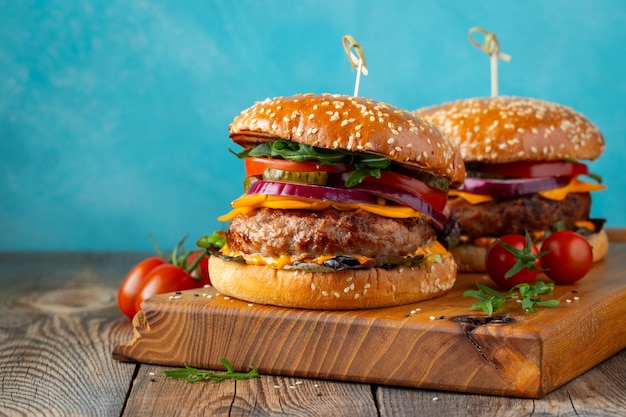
{"type": "Point", "coordinates": [341, 290]}
{"type": "Point", "coordinates": [471, 258]}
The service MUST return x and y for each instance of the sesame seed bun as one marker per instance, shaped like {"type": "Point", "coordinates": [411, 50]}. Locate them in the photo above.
{"type": "Point", "coordinates": [353, 124]}
{"type": "Point", "coordinates": [341, 290]}
{"type": "Point", "coordinates": [510, 129]}
{"type": "Point", "coordinates": [498, 130]}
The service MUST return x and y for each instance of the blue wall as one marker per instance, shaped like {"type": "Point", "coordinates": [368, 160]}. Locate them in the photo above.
{"type": "Point", "coordinates": [114, 114]}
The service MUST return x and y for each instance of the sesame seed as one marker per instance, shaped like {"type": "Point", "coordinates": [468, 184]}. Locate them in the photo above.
{"type": "Point", "coordinates": [324, 293]}
{"type": "Point", "coordinates": [313, 286]}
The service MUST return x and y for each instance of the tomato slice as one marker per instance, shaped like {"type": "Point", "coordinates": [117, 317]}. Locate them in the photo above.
{"type": "Point", "coordinates": [433, 196]}
{"type": "Point", "coordinates": [256, 166]}
{"type": "Point", "coordinates": [529, 169]}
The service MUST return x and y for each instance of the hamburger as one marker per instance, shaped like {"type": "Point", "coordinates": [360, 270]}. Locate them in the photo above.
{"type": "Point", "coordinates": [342, 205]}
{"type": "Point", "coordinates": [524, 172]}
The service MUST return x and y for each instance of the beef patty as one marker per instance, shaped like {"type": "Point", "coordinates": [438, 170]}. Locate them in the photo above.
{"type": "Point", "coordinates": [514, 215]}
{"type": "Point", "coordinates": [272, 232]}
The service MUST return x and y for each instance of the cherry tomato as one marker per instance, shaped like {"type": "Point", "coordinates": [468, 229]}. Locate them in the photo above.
{"type": "Point", "coordinates": [164, 278]}
{"type": "Point", "coordinates": [528, 169]}
{"type": "Point", "coordinates": [133, 281]}
{"type": "Point", "coordinates": [256, 166]}
{"type": "Point", "coordinates": [569, 257]}
{"type": "Point", "coordinates": [499, 261]}
{"type": "Point", "coordinates": [201, 273]}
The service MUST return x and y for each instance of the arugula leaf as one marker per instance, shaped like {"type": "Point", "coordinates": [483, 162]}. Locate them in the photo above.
{"type": "Point", "coordinates": [217, 240]}
{"type": "Point", "coordinates": [194, 375]}
{"type": "Point", "coordinates": [490, 300]}
{"type": "Point", "coordinates": [365, 164]}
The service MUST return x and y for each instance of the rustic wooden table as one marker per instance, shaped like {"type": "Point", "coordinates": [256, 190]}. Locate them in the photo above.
{"type": "Point", "coordinates": [59, 324]}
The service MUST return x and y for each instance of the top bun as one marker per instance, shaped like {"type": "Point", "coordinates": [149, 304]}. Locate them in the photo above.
{"type": "Point", "coordinates": [354, 124]}
{"type": "Point", "coordinates": [510, 129]}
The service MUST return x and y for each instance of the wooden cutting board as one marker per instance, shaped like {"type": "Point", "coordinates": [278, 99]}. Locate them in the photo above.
{"type": "Point", "coordinates": [437, 344]}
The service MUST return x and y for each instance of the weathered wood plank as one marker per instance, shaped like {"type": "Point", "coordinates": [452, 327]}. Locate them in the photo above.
{"type": "Point", "coordinates": [155, 394]}
{"type": "Point", "coordinates": [58, 324]}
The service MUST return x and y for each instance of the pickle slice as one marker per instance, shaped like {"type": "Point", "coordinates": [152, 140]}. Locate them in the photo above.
{"type": "Point", "coordinates": [314, 178]}
{"type": "Point", "coordinates": [248, 181]}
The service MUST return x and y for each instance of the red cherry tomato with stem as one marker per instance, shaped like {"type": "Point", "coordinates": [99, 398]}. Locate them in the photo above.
{"type": "Point", "coordinates": [162, 279]}
{"type": "Point", "coordinates": [568, 257]}
{"type": "Point", "coordinates": [511, 260]}
{"type": "Point", "coordinates": [132, 283]}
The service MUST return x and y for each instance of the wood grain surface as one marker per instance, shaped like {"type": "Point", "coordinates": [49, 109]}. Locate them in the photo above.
{"type": "Point", "coordinates": [513, 353]}
{"type": "Point", "coordinates": [55, 360]}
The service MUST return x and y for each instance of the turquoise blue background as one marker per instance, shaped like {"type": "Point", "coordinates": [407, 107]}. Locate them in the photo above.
{"type": "Point", "coordinates": [114, 114]}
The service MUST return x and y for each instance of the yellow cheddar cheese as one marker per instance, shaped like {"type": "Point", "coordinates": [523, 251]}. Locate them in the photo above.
{"type": "Point", "coordinates": [557, 194]}
{"type": "Point", "coordinates": [284, 260]}
{"type": "Point", "coordinates": [247, 203]}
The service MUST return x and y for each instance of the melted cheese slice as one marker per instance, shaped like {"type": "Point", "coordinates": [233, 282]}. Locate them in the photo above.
{"type": "Point", "coordinates": [284, 260]}
{"type": "Point", "coordinates": [557, 194]}
{"type": "Point", "coordinates": [247, 203]}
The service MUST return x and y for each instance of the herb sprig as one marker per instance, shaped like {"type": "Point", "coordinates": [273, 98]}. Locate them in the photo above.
{"type": "Point", "coordinates": [194, 375]}
{"type": "Point", "coordinates": [489, 300]}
